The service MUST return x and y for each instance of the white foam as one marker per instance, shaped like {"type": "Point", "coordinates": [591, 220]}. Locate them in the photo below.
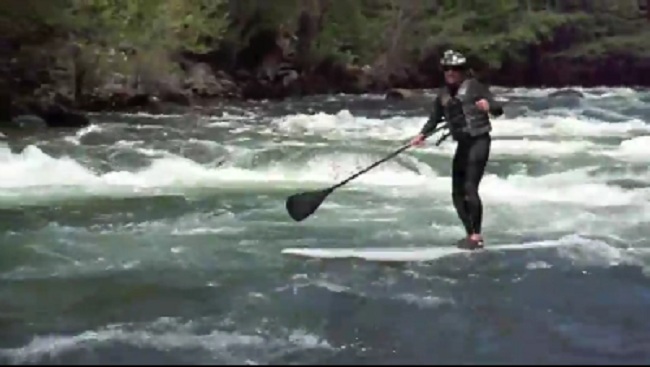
{"type": "Point", "coordinates": [573, 187]}
{"type": "Point", "coordinates": [539, 148]}
{"type": "Point", "coordinates": [566, 187]}
{"type": "Point", "coordinates": [525, 147]}
{"type": "Point", "coordinates": [150, 115]}
{"type": "Point", "coordinates": [343, 125]}
{"type": "Point", "coordinates": [90, 129]}
{"type": "Point", "coordinates": [598, 253]}
{"type": "Point", "coordinates": [589, 93]}
{"type": "Point", "coordinates": [32, 167]}
{"type": "Point", "coordinates": [34, 173]}
{"type": "Point", "coordinates": [635, 149]}
{"type": "Point", "coordinates": [228, 119]}
{"type": "Point", "coordinates": [569, 126]}
{"type": "Point", "coordinates": [165, 334]}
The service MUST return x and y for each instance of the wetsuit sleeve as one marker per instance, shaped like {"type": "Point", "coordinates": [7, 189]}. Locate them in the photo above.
{"type": "Point", "coordinates": [434, 118]}
{"type": "Point", "coordinates": [496, 107]}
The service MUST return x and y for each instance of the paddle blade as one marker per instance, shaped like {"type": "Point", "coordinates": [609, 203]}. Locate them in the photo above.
{"type": "Point", "coordinates": [301, 206]}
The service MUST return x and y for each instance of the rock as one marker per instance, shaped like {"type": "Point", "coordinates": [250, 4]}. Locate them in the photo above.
{"type": "Point", "coordinates": [241, 74]}
{"type": "Point", "coordinates": [5, 105]}
{"type": "Point", "coordinates": [399, 94]}
{"type": "Point", "coordinates": [289, 76]}
{"type": "Point", "coordinates": [46, 113]}
{"type": "Point", "coordinates": [566, 98]}
{"type": "Point", "coordinates": [567, 93]}
{"type": "Point", "coordinates": [230, 89]}
{"type": "Point", "coordinates": [170, 90]}
{"type": "Point", "coordinates": [44, 107]}
{"type": "Point", "coordinates": [181, 98]}
{"type": "Point", "coordinates": [359, 78]}
{"type": "Point", "coordinates": [59, 116]}
{"type": "Point", "coordinates": [28, 122]}
{"type": "Point", "coordinates": [203, 82]}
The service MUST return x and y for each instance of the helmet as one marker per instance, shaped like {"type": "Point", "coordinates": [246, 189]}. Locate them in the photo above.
{"type": "Point", "coordinates": [453, 58]}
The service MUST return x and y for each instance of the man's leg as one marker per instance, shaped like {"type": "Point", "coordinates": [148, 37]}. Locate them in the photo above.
{"type": "Point", "coordinates": [479, 153]}
{"type": "Point", "coordinates": [458, 178]}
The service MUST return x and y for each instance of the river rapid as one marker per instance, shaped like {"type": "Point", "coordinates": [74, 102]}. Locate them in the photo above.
{"type": "Point", "coordinates": [157, 239]}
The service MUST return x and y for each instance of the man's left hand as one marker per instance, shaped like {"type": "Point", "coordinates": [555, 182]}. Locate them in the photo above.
{"type": "Point", "coordinates": [483, 105]}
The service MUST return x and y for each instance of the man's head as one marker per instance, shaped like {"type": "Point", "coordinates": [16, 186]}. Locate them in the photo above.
{"type": "Point", "coordinates": [454, 65]}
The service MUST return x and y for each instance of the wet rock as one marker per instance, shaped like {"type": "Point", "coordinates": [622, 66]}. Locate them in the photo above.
{"type": "Point", "coordinates": [54, 110]}
{"type": "Point", "coordinates": [399, 94]}
{"type": "Point", "coordinates": [567, 98]}
{"type": "Point", "coordinates": [28, 122]}
{"type": "Point", "coordinates": [56, 115]}
{"type": "Point", "coordinates": [202, 82]}
{"type": "Point", "coordinates": [567, 93]}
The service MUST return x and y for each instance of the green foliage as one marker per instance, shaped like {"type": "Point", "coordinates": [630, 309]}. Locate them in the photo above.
{"type": "Point", "coordinates": [247, 17]}
{"type": "Point", "coordinates": [620, 44]}
{"type": "Point", "coordinates": [503, 30]}
{"type": "Point", "coordinates": [360, 31]}
{"type": "Point", "coordinates": [148, 24]}
{"type": "Point", "coordinates": [349, 33]}
{"type": "Point", "coordinates": [22, 18]}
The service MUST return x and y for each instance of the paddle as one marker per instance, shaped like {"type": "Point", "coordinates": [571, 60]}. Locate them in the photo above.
{"type": "Point", "coordinates": [302, 205]}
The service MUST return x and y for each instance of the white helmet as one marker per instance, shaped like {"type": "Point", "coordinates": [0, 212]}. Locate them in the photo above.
{"type": "Point", "coordinates": [453, 58]}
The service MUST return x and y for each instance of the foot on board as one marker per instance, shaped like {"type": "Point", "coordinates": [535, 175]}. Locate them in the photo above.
{"type": "Point", "coordinates": [469, 244]}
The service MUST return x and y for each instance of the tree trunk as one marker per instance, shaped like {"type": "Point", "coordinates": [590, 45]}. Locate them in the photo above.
{"type": "Point", "coordinates": [309, 25]}
{"type": "Point", "coordinates": [306, 32]}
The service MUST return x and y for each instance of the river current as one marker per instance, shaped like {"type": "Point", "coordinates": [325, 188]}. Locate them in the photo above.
{"type": "Point", "coordinates": [157, 239]}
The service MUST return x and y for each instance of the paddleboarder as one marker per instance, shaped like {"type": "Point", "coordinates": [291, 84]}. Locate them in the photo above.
{"type": "Point", "coordinates": [465, 104]}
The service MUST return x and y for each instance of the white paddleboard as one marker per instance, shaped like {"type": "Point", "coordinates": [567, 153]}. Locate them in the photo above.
{"type": "Point", "coordinates": [395, 254]}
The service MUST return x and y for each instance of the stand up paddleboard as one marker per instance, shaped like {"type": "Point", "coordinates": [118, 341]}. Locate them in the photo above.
{"type": "Point", "coordinates": [393, 254]}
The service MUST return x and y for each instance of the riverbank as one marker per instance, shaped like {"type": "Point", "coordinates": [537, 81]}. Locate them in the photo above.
{"type": "Point", "coordinates": [57, 70]}
{"type": "Point", "coordinates": [202, 85]}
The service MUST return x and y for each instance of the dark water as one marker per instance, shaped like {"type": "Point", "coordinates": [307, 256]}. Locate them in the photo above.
{"type": "Point", "coordinates": [148, 239]}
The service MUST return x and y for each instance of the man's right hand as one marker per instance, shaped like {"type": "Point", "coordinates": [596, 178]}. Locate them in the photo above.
{"type": "Point", "coordinates": [418, 140]}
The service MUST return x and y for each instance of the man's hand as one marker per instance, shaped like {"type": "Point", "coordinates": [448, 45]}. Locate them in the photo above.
{"type": "Point", "coordinates": [418, 140]}
{"type": "Point", "coordinates": [483, 105]}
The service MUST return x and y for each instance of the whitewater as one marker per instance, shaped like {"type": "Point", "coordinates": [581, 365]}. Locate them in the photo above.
{"type": "Point", "coordinates": [157, 238]}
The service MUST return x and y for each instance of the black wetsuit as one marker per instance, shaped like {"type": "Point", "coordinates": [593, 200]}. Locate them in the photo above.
{"type": "Point", "coordinates": [468, 166]}
{"type": "Point", "coordinates": [470, 127]}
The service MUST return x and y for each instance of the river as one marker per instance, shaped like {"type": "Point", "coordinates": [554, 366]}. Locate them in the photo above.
{"type": "Point", "coordinates": [157, 239]}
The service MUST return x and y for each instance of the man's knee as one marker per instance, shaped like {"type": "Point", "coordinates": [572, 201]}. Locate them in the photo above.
{"type": "Point", "coordinates": [458, 191]}
{"type": "Point", "coordinates": [471, 192]}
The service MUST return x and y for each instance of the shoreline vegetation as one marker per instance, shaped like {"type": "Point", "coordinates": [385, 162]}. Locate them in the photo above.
{"type": "Point", "coordinates": [62, 58]}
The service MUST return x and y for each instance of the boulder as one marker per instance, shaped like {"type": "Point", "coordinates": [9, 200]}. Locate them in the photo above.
{"type": "Point", "coordinates": [399, 94]}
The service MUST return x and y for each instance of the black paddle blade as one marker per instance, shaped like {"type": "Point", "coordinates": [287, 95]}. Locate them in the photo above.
{"type": "Point", "coordinates": [301, 206]}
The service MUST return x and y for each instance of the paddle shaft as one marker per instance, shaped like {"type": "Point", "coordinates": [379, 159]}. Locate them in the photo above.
{"type": "Point", "coordinates": [388, 157]}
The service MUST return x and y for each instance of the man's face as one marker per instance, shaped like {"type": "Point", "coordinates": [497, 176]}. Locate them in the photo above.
{"type": "Point", "coordinates": [453, 75]}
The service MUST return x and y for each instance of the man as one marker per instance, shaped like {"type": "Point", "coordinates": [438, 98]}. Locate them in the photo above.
{"type": "Point", "coordinates": [464, 103]}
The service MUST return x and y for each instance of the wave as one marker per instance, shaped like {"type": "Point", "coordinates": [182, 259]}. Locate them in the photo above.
{"type": "Point", "coordinates": [167, 335]}
{"type": "Point", "coordinates": [310, 150]}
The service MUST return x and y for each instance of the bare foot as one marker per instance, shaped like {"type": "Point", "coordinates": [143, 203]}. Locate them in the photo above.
{"type": "Point", "coordinates": [477, 239]}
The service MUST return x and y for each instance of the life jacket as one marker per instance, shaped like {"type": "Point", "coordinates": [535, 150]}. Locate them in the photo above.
{"type": "Point", "coordinates": [460, 111]}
